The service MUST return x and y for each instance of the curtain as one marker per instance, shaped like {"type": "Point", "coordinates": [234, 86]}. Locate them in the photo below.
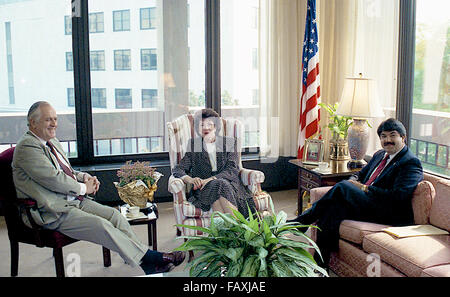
{"type": "Point", "coordinates": [281, 36]}
{"type": "Point", "coordinates": [355, 36]}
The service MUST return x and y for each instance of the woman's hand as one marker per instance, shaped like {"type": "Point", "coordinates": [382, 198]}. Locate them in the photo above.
{"type": "Point", "coordinates": [205, 181]}
{"type": "Point", "coordinates": [197, 181]}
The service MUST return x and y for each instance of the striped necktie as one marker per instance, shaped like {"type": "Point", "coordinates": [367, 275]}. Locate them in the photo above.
{"type": "Point", "coordinates": [62, 165]}
{"type": "Point", "coordinates": [377, 171]}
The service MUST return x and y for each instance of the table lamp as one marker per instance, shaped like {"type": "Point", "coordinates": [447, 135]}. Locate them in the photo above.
{"type": "Point", "coordinates": [359, 100]}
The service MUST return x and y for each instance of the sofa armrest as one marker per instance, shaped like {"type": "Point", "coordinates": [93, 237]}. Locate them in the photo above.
{"type": "Point", "coordinates": [317, 193]}
{"type": "Point", "coordinates": [176, 185]}
{"type": "Point", "coordinates": [251, 177]}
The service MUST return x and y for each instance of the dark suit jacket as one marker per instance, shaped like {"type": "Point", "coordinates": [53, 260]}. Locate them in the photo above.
{"type": "Point", "coordinates": [393, 188]}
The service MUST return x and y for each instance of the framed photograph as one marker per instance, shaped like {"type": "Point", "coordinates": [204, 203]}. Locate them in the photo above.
{"type": "Point", "coordinates": [313, 151]}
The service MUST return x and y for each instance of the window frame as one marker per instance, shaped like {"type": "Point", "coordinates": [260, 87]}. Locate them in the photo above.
{"type": "Point", "coordinates": [151, 21]}
{"type": "Point", "coordinates": [121, 52]}
{"type": "Point", "coordinates": [82, 83]}
{"type": "Point", "coordinates": [122, 11]}
{"type": "Point", "coordinates": [96, 14]}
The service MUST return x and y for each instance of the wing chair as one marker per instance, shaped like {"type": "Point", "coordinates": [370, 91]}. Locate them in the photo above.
{"type": "Point", "coordinates": [180, 131]}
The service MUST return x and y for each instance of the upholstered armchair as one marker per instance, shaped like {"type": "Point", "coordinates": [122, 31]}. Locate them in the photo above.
{"type": "Point", "coordinates": [180, 131]}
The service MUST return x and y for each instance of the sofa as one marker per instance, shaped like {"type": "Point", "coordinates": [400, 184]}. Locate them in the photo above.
{"type": "Point", "coordinates": [361, 244]}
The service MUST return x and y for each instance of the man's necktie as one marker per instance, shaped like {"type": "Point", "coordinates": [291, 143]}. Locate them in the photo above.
{"type": "Point", "coordinates": [377, 171]}
{"type": "Point", "coordinates": [62, 165]}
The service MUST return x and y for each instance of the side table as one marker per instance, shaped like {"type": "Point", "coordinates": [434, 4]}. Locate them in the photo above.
{"type": "Point", "coordinates": [151, 225]}
{"type": "Point", "coordinates": [308, 178]}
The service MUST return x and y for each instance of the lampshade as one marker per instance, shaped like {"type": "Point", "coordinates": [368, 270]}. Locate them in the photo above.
{"type": "Point", "coordinates": [359, 99]}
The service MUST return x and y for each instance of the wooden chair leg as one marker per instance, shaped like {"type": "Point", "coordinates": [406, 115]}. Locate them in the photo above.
{"type": "Point", "coordinates": [59, 262]}
{"type": "Point", "coordinates": [14, 257]}
{"type": "Point", "coordinates": [106, 257]}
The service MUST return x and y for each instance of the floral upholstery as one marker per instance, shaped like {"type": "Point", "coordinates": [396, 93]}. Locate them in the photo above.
{"type": "Point", "coordinates": [180, 131]}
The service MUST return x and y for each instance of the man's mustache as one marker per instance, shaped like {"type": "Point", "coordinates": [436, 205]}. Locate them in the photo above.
{"type": "Point", "coordinates": [387, 143]}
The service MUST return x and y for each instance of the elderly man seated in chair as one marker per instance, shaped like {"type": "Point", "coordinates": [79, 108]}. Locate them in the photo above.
{"type": "Point", "coordinates": [210, 166]}
{"type": "Point", "coordinates": [42, 172]}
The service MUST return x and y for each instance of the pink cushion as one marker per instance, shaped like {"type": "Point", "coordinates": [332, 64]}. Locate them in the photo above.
{"type": "Point", "coordinates": [437, 271]}
{"type": "Point", "coordinates": [440, 210]}
{"type": "Point", "coordinates": [410, 255]}
{"type": "Point", "coordinates": [355, 231]}
{"type": "Point", "coordinates": [421, 202]}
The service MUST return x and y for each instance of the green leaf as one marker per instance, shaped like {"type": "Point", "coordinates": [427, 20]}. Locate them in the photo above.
{"type": "Point", "coordinates": [234, 253]}
{"type": "Point", "coordinates": [235, 268]}
{"type": "Point", "coordinates": [239, 216]}
{"type": "Point", "coordinates": [257, 241]}
{"type": "Point", "coordinates": [199, 228]}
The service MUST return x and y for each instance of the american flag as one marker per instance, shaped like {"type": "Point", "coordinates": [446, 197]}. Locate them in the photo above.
{"type": "Point", "coordinates": [309, 108]}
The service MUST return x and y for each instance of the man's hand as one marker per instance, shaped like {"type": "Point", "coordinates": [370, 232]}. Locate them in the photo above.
{"type": "Point", "coordinates": [361, 186]}
{"type": "Point", "coordinates": [92, 183]}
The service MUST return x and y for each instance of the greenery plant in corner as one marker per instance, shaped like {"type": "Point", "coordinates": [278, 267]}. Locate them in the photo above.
{"type": "Point", "coordinates": [338, 125]}
{"type": "Point", "coordinates": [257, 246]}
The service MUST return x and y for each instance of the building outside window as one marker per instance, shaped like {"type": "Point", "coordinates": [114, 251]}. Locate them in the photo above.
{"type": "Point", "coordinates": [123, 99]}
{"type": "Point", "coordinates": [122, 59]}
{"type": "Point", "coordinates": [96, 23]}
{"type": "Point", "coordinates": [148, 59]}
{"type": "Point", "coordinates": [148, 18]}
{"type": "Point", "coordinates": [121, 20]}
{"type": "Point", "coordinates": [97, 60]}
{"type": "Point", "coordinates": [70, 97]}
{"type": "Point", "coordinates": [98, 97]}
{"type": "Point", "coordinates": [67, 25]}
{"type": "Point", "coordinates": [149, 98]}
{"type": "Point", "coordinates": [69, 61]}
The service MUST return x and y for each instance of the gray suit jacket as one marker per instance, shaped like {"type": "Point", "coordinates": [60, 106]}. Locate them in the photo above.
{"type": "Point", "coordinates": [36, 175]}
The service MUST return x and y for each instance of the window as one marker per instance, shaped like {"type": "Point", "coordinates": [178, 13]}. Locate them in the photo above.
{"type": "Point", "coordinates": [122, 60]}
{"type": "Point", "coordinates": [97, 60]}
{"type": "Point", "coordinates": [148, 18]}
{"type": "Point", "coordinates": [121, 20]}
{"type": "Point", "coordinates": [149, 98]}
{"type": "Point", "coordinates": [123, 98]}
{"type": "Point", "coordinates": [98, 98]}
{"type": "Point", "coordinates": [148, 59]}
{"type": "Point", "coordinates": [239, 66]}
{"type": "Point", "coordinates": [67, 25]}
{"type": "Point", "coordinates": [69, 61]}
{"type": "Point", "coordinates": [431, 104]}
{"type": "Point", "coordinates": [96, 24]}
{"type": "Point", "coordinates": [70, 97]}
{"type": "Point", "coordinates": [36, 64]}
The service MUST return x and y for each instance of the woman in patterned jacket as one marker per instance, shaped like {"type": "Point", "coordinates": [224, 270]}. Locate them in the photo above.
{"type": "Point", "coordinates": [210, 168]}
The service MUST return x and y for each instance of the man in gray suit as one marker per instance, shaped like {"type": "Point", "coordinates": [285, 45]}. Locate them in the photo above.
{"type": "Point", "coordinates": [42, 172]}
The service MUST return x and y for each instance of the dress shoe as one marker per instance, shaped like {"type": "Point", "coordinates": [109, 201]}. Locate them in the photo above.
{"type": "Point", "coordinates": [152, 268]}
{"type": "Point", "coordinates": [176, 258]}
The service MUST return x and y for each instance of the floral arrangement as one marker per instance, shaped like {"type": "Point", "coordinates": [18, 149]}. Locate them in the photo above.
{"type": "Point", "coordinates": [137, 183]}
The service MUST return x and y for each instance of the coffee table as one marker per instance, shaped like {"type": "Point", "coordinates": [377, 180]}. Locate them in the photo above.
{"type": "Point", "coordinates": [151, 225]}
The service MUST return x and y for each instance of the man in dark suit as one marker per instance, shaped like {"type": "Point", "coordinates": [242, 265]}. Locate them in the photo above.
{"type": "Point", "coordinates": [381, 192]}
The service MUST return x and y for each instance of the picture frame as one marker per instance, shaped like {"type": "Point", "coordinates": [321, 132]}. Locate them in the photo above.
{"type": "Point", "coordinates": [313, 151]}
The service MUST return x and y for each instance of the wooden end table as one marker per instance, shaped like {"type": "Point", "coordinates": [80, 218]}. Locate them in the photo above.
{"type": "Point", "coordinates": [308, 178]}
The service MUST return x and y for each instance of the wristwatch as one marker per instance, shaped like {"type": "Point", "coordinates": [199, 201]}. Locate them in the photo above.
{"type": "Point", "coordinates": [364, 188]}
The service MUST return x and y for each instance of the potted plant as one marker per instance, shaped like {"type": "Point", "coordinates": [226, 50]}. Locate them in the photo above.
{"type": "Point", "coordinates": [338, 125]}
{"type": "Point", "coordinates": [257, 246]}
{"type": "Point", "coordinates": [137, 183]}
